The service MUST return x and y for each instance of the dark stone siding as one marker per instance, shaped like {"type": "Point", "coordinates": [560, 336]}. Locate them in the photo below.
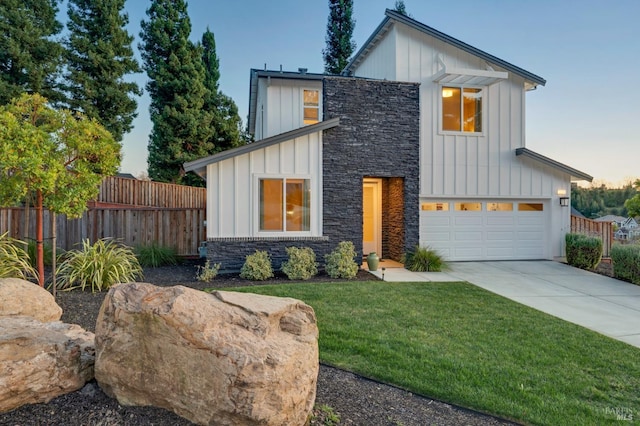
{"type": "Point", "coordinates": [378, 137]}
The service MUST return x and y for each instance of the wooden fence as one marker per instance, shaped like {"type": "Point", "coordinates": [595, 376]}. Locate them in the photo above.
{"type": "Point", "coordinates": [602, 230]}
{"type": "Point", "coordinates": [135, 212]}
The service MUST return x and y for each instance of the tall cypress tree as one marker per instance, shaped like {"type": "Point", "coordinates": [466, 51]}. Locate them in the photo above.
{"type": "Point", "coordinates": [225, 121]}
{"type": "Point", "coordinates": [339, 38]}
{"type": "Point", "coordinates": [99, 57]}
{"type": "Point", "coordinates": [30, 57]}
{"type": "Point", "coordinates": [401, 8]}
{"type": "Point", "coordinates": [177, 91]}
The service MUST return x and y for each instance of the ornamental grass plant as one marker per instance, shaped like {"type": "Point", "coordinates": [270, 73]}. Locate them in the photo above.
{"type": "Point", "coordinates": [98, 266]}
{"type": "Point", "coordinates": [14, 259]}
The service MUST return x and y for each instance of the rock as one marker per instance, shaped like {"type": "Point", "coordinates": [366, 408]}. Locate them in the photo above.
{"type": "Point", "coordinates": [20, 297]}
{"type": "Point", "coordinates": [223, 358]}
{"type": "Point", "coordinates": [42, 360]}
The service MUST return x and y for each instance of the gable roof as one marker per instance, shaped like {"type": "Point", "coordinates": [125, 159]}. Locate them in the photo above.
{"type": "Point", "coordinates": [392, 17]}
{"type": "Point", "coordinates": [575, 174]}
{"type": "Point", "coordinates": [610, 218]}
{"type": "Point", "coordinates": [199, 166]}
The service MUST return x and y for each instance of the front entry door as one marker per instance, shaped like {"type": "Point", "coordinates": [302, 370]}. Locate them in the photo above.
{"type": "Point", "coordinates": [372, 216]}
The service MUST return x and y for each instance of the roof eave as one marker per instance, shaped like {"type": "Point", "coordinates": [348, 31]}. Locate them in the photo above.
{"type": "Point", "coordinates": [199, 166]}
{"type": "Point", "coordinates": [574, 173]}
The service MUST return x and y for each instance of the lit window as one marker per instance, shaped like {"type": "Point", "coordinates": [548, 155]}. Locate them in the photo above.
{"type": "Point", "coordinates": [469, 207]}
{"type": "Point", "coordinates": [461, 109]}
{"type": "Point", "coordinates": [435, 206]}
{"type": "Point", "coordinates": [530, 207]}
{"type": "Point", "coordinates": [284, 205]}
{"type": "Point", "coordinates": [311, 106]}
{"type": "Point", "coordinates": [500, 207]}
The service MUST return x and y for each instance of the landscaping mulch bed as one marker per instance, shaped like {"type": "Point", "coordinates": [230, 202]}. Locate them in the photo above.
{"type": "Point", "coordinates": [355, 399]}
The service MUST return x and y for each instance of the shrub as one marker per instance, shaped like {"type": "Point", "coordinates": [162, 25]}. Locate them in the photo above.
{"type": "Point", "coordinates": [423, 259]}
{"type": "Point", "coordinates": [301, 264]}
{"type": "Point", "coordinates": [583, 251]}
{"type": "Point", "coordinates": [257, 266]}
{"type": "Point", "coordinates": [207, 272]}
{"type": "Point", "coordinates": [14, 260]}
{"type": "Point", "coordinates": [626, 262]}
{"type": "Point", "coordinates": [47, 249]}
{"type": "Point", "coordinates": [155, 255]}
{"type": "Point", "coordinates": [100, 265]}
{"type": "Point", "coordinates": [340, 263]}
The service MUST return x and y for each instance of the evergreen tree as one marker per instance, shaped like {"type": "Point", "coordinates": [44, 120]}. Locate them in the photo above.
{"type": "Point", "coordinates": [401, 8]}
{"type": "Point", "coordinates": [30, 58]}
{"type": "Point", "coordinates": [339, 38]}
{"type": "Point", "coordinates": [177, 91]}
{"type": "Point", "coordinates": [225, 121]}
{"type": "Point", "coordinates": [99, 57]}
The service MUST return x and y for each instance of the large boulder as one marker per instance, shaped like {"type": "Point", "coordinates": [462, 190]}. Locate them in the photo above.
{"type": "Point", "coordinates": [223, 358]}
{"type": "Point", "coordinates": [20, 297]}
{"type": "Point", "coordinates": [42, 360]}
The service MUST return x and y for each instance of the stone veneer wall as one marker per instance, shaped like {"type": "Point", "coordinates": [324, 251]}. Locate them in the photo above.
{"type": "Point", "coordinates": [378, 136]}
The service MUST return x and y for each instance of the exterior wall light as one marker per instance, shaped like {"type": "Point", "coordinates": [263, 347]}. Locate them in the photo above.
{"type": "Point", "coordinates": [564, 201]}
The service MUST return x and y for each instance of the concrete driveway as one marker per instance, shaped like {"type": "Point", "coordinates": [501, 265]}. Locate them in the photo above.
{"type": "Point", "coordinates": [602, 304]}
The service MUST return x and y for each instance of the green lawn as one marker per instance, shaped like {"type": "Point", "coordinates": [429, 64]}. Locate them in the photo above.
{"type": "Point", "coordinates": [461, 344]}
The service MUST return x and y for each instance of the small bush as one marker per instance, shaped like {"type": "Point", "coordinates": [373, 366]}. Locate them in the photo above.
{"type": "Point", "coordinates": [626, 262]}
{"type": "Point", "coordinates": [582, 251]}
{"type": "Point", "coordinates": [14, 260]}
{"type": "Point", "coordinates": [100, 266]}
{"type": "Point", "coordinates": [155, 255]}
{"type": "Point", "coordinates": [257, 267]}
{"type": "Point", "coordinates": [207, 272]}
{"type": "Point", "coordinates": [47, 249]}
{"type": "Point", "coordinates": [340, 263]}
{"type": "Point", "coordinates": [301, 264]}
{"type": "Point", "coordinates": [423, 259]}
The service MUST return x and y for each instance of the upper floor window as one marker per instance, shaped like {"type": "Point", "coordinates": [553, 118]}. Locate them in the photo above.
{"type": "Point", "coordinates": [311, 112]}
{"type": "Point", "coordinates": [284, 205]}
{"type": "Point", "coordinates": [461, 109]}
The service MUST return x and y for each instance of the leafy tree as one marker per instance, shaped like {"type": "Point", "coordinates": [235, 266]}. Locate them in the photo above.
{"type": "Point", "coordinates": [99, 57]}
{"type": "Point", "coordinates": [339, 38]}
{"type": "Point", "coordinates": [633, 204]}
{"type": "Point", "coordinates": [58, 156]}
{"type": "Point", "coordinates": [30, 58]}
{"type": "Point", "coordinates": [599, 200]}
{"type": "Point", "coordinates": [176, 86]}
{"type": "Point", "coordinates": [225, 121]}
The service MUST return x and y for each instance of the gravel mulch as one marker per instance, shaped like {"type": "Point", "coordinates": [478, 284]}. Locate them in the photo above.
{"type": "Point", "coordinates": [357, 400]}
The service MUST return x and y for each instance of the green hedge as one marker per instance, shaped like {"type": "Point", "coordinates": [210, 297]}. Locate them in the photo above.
{"type": "Point", "coordinates": [583, 252]}
{"type": "Point", "coordinates": [626, 262]}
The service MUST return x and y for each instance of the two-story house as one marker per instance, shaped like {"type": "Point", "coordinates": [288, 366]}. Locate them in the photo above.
{"type": "Point", "coordinates": [420, 141]}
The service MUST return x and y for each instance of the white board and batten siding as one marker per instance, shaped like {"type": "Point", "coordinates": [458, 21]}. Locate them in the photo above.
{"type": "Point", "coordinates": [474, 167]}
{"type": "Point", "coordinates": [232, 200]}
{"type": "Point", "coordinates": [280, 105]}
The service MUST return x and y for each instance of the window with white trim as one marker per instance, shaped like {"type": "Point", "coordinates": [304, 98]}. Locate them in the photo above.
{"type": "Point", "coordinates": [461, 109]}
{"type": "Point", "coordinates": [284, 205]}
{"type": "Point", "coordinates": [311, 108]}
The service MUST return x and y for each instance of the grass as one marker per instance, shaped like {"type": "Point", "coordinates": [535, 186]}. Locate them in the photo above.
{"type": "Point", "coordinates": [458, 343]}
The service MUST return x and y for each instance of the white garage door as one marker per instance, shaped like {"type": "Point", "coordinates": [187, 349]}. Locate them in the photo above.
{"type": "Point", "coordinates": [485, 229]}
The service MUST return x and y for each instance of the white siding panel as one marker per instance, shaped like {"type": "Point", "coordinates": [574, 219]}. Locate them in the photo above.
{"type": "Point", "coordinates": [283, 109]}
{"type": "Point", "coordinates": [377, 63]}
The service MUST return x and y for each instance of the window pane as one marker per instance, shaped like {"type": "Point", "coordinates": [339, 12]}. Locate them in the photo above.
{"type": "Point", "coordinates": [469, 206]}
{"type": "Point", "coordinates": [530, 207]}
{"type": "Point", "coordinates": [298, 195]}
{"type": "Point", "coordinates": [451, 108]}
{"type": "Point", "coordinates": [435, 206]}
{"type": "Point", "coordinates": [472, 110]}
{"type": "Point", "coordinates": [500, 207]}
{"type": "Point", "coordinates": [311, 108]}
{"type": "Point", "coordinates": [271, 205]}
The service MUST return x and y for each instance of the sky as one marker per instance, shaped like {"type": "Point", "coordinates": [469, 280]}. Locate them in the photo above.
{"type": "Point", "coordinates": [587, 50]}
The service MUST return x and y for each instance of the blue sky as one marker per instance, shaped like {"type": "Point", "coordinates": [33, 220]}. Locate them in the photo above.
{"type": "Point", "coordinates": [588, 51]}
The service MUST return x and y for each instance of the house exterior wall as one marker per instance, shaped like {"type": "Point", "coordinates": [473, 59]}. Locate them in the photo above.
{"type": "Point", "coordinates": [378, 137]}
{"type": "Point", "coordinates": [280, 105]}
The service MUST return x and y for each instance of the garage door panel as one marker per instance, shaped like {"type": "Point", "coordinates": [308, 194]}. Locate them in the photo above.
{"type": "Point", "coordinates": [490, 233]}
